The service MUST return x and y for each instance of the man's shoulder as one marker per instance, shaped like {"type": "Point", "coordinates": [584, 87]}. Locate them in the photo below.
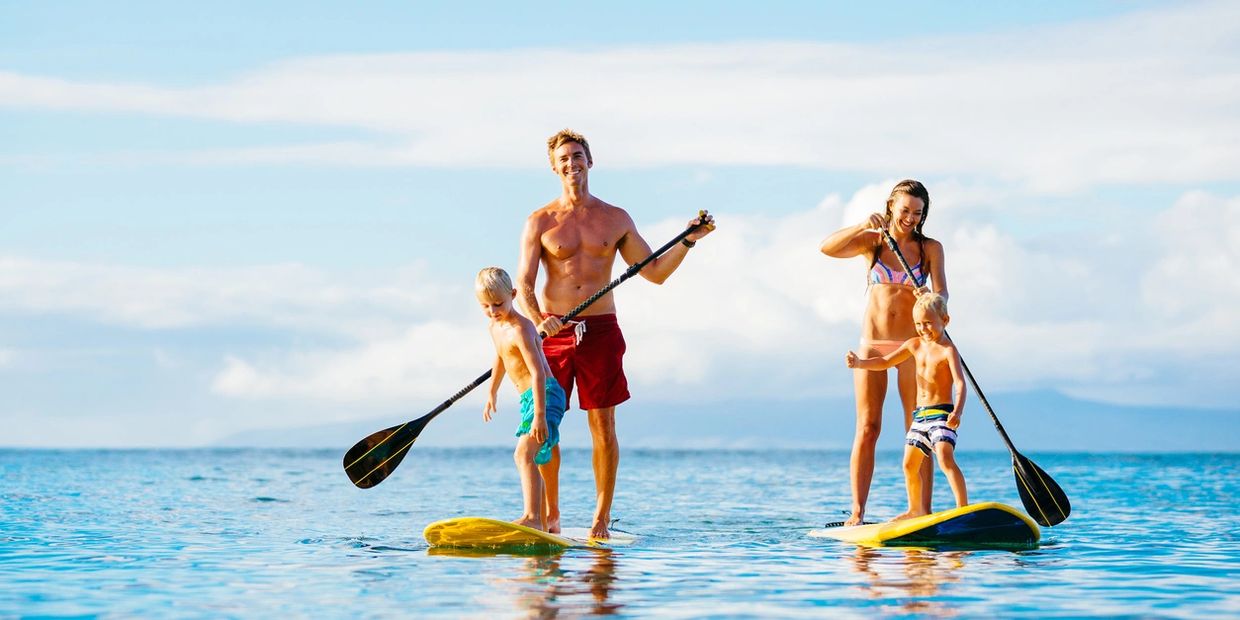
{"type": "Point", "coordinates": [612, 214]}
{"type": "Point", "coordinates": [543, 217]}
{"type": "Point", "coordinates": [546, 209]}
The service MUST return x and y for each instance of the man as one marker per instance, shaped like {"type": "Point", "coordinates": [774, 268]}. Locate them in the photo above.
{"type": "Point", "coordinates": [576, 238]}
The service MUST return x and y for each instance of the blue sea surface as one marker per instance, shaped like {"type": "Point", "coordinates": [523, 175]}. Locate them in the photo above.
{"type": "Point", "coordinates": [257, 533]}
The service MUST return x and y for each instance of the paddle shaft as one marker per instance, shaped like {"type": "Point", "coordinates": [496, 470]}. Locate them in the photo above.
{"type": "Point", "coordinates": [895, 248]}
{"type": "Point", "coordinates": [375, 453]}
{"type": "Point", "coordinates": [628, 273]}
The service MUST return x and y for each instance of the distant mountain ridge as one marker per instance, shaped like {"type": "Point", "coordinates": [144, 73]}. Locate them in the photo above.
{"type": "Point", "coordinates": [1042, 421]}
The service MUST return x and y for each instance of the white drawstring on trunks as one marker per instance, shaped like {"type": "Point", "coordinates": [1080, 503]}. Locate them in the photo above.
{"type": "Point", "coordinates": [579, 330]}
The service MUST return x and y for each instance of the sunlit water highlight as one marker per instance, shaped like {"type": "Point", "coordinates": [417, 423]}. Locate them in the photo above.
{"type": "Point", "coordinates": [259, 533]}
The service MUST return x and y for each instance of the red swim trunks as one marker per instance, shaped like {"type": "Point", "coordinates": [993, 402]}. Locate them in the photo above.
{"type": "Point", "coordinates": [588, 352]}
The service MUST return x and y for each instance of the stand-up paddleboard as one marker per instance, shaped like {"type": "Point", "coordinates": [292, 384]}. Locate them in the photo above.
{"type": "Point", "coordinates": [484, 533]}
{"type": "Point", "coordinates": [582, 534]}
{"type": "Point", "coordinates": [988, 523]}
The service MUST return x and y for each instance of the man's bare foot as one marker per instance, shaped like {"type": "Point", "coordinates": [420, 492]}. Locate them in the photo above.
{"type": "Point", "coordinates": [529, 521]}
{"type": "Point", "coordinates": [553, 524]}
{"type": "Point", "coordinates": [855, 519]}
{"type": "Point", "coordinates": [909, 514]}
{"type": "Point", "coordinates": [599, 530]}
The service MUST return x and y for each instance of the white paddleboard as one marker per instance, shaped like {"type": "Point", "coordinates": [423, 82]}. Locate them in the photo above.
{"type": "Point", "coordinates": [582, 536]}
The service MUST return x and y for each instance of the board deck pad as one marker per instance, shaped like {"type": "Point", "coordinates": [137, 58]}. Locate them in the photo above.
{"type": "Point", "coordinates": [484, 533]}
{"type": "Point", "coordinates": [987, 523]}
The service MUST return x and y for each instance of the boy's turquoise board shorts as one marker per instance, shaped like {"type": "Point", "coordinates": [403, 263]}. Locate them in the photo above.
{"type": "Point", "coordinates": [556, 403]}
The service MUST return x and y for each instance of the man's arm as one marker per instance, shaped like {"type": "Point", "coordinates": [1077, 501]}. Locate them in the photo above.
{"type": "Point", "coordinates": [633, 248]}
{"type": "Point", "coordinates": [527, 277]}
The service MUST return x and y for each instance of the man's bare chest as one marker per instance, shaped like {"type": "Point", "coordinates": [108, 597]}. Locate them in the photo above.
{"type": "Point", "coordinates": [568, 240]}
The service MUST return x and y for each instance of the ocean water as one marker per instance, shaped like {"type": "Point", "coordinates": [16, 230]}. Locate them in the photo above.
{"type": "Point", "coordinates": [255, 533]}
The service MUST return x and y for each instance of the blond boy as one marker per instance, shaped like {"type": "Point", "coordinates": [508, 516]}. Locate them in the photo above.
{"type": "Point", "coordinates": [940, 399]}
{"type": "Point", "coordinates": [518, 353]}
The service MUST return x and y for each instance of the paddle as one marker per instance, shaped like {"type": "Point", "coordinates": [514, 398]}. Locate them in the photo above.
{"type": "Point", "coordinates": [374, 458]}
{"type": "Point", "coordinates": [1043, 499]}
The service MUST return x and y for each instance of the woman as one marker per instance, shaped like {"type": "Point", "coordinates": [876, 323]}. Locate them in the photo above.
{"type": "Point", "coordinates": [888, 319]}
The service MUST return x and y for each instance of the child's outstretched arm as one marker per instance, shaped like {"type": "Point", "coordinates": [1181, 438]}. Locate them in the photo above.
{"type": "Point", "coordinates": [879, 363]}
{"type": "Point", "coordinates": [497, 377]}
{"type": "Point", "coordinates": [958, 390]}
{"type": "Point", "coordinates": [531, 352]}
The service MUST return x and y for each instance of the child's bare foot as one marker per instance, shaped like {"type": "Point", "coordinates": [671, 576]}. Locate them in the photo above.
{"type": "Point", "coordinates": [909, 514]}
{"type": "Point", "coordinates": [553, 524]}
{"type": "Point", "coordinates": [529, 521]}
{"type": "Point", "coordinates": [855, 519]}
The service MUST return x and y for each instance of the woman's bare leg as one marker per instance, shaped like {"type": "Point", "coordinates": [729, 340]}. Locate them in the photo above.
{"type": "Point", "coordinates": [870, 388]}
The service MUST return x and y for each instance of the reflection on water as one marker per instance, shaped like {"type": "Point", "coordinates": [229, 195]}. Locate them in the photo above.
{"type": "Point", "coordinates": [912, 576]}
{"type": "Point", "coordinates": [547, 584]}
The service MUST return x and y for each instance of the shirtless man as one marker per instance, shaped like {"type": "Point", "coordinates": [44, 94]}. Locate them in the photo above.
{"type": "Point", "coordinates": [576, 238]}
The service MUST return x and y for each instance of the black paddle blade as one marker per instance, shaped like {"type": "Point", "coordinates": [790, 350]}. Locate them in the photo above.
{"type": "Point", "coordinates": [1043, 499]}
{"type": "Point", "coordinates": [373, 459]}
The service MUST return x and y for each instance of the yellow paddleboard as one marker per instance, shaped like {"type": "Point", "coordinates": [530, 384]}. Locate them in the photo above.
{"type": "Point", "coordinates": [484, 533]}
{"type": "Point", "coordinates": [987, 523]}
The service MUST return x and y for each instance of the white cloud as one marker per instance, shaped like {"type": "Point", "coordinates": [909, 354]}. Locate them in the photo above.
{"type": "Point", "coordinates": [427, 361]}
{"type": "Point", "coordinates": [1193, 289]}
{"type": "Point", "coordinates": [755, 311]}
{"type": "Point", "coordinates": [1146, 97]}
{"type": "Point", "coordinates": [289, 295]}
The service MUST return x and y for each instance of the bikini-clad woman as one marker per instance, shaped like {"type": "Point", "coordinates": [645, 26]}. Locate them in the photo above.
{"type": "Point", "coordinates": [888, 319]}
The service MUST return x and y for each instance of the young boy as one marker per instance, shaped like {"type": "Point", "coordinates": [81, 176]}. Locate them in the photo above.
{"type": "Point", "coordinates": [518, 352]}
{"type": "Point", "coordinates": [940, 398]}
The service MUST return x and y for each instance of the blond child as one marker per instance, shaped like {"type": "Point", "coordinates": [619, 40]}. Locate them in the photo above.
{"type": "Point", "coordinates": [940, 399]}
{"type": "Point", "coordinates": [518, 353]}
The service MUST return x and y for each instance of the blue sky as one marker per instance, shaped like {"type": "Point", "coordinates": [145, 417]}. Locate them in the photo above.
{"type": "Point", "coordinates": [230, 217]}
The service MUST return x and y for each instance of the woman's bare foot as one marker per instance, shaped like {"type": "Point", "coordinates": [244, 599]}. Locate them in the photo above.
{"type": "Point", "coordinates": [553, 524]}
{"type": "Point", "coordinates": [856, 519]}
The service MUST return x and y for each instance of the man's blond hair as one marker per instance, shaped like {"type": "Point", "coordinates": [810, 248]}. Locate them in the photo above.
{"type": "Point", "coordinates": [933, 301]}
{"type": "Point", "coordinates": [494, 281]}
{"type": "Point", "coordinates": [567, 135]}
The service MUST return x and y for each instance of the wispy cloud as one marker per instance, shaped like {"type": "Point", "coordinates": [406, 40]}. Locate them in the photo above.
{"type": "Point", "coordinates": [1054, 107]}
{"type": "Point", "coordinates": [288, 296]}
